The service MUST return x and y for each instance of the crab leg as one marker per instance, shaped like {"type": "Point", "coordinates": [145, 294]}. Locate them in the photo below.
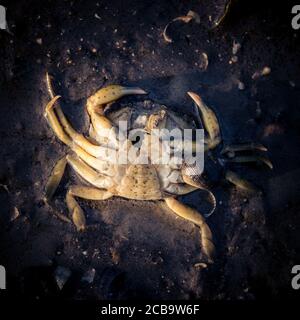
{"type": "Point", "coordinates": [236, 180]}
{"type": "Point", "coordinates": [101, 165]}
{"type": "Point", "coordinates": [75, 136]}
{"type": "Point", "coordinates": [210, 121]}
{"type": "Point", "coordinates": [188, 180]}
{"type": "Point", "coordinates": [54, 123]}
{"type": "Point", "coordinates": [90, 193]}
{"type": "Point", "coordinates": [78, 140]}
{"type": "Point", "coordinates": [89, 174]}
{"type": "Point", "coordinates": [65, 123]}
{"type": "Point", "coordinates": [243, 147]}
{"type": "Point", "coordinates": [59, 168]}
{"type": "Point", "coordinates": [179, 188]}
{"type": "Point", "coordinates": [194, 216]}
{"type": "Point", "coordinates": [84, 192]}
{"type": "Point", "coordinates": [230, 153]}
{"type": "Point", "coordinates": [190, 176]}
{"type": "Point", "coordinates": [55, 178]}
{"type": "Point", "coordinates": [77, 213]}
{"type": "Point", "coordinates": [72, 137]}
{"type": "Point", "coordinates": [253, 158]}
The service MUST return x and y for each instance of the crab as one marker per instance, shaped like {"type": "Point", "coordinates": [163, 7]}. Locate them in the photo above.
{"type": "Point", "coordinates": [90, 156]}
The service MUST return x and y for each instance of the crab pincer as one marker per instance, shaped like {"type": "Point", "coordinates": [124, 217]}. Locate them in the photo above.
{"type": "Point", "coordinates": [210, 121]}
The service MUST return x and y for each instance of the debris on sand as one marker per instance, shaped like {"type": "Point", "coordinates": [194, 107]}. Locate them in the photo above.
{"type": "Point", "coordinates": [203, 61]}
{"type": "Point", "coordinates": [241, 85]}
{"type": "Point", "coordinates": [61, 275]}
{"type": "Point", "coordinates": [5, 187]}
{"type": "Point", "coordinates": [260, 73]}
{"type": "Point", "coordinates": [258, 111]}
{"type": "Point", "coordinates": [191, 15]}
{"type": "Point", "coordinates": [234, 59]}
{"type": "Point", "coordinates": [292, 84]}
{"type": "Point", "coordinates": [236, 47]}
{"type": "Point", "coordinates": [200, 265]}
{"type": "Point", "coordinates": [15, 213]}
{"type": "Point", "coordinates": [273, 129]}
{"type": "Point", "coordinates": [222, 13]}
{"type": "Point", "coordinates": [115, 256]}
{"type": "Point", "coordinates": [89, 276]}
{"type": "Point", "coordinates": [39, 41]}
{"type": "Point", "coordinates": [97, 16]}
{"type": "Point", "coordinates": [195, 16]}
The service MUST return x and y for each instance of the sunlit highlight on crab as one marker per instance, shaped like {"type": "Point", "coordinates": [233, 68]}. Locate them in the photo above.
{"type": "Point", "coordinates": [92, 160]}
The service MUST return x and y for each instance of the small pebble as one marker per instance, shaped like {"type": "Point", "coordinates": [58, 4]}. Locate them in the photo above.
{"type": "Point", "coordinates": [266, 71]}
{"type": "Point", "coordinates": [236, 47]}
{"type": "Point", "coordinates": [200, 265]}
{"type": "Point", "coordinates": [61, 275]}
{"type": "Point", "coordinates": [241, 85]}
{"type": "Point", "coordinates": [203, 61]}
{"type": "Point", "coordinates": [292, 84]}
{"type": "Point", "coordinates": [89, 276]}
{"type": "Point", "coordinates": [259, 73]}
{"type": "Point", "coordinates": [234, 59]}
{"type": "Point", "coordinates": [14, 214]}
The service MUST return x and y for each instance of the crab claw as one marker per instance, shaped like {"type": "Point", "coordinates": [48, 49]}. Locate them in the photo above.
{"type": "Point", "coordinates": [110, 94]}
{"type": "Point", "coordinates": [209, 119]}
{"type": "Point", "coordinates": [132, 90]}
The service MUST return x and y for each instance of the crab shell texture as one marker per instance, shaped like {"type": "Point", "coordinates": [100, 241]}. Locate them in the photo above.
{"type": "Point", "coordinates": [91, 157]}
{"type": "Point", "coordinates": [145, 181]}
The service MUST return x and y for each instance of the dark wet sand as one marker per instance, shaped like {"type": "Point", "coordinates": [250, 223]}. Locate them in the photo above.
{"type": "Point", "coordinates": [140, 249]}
